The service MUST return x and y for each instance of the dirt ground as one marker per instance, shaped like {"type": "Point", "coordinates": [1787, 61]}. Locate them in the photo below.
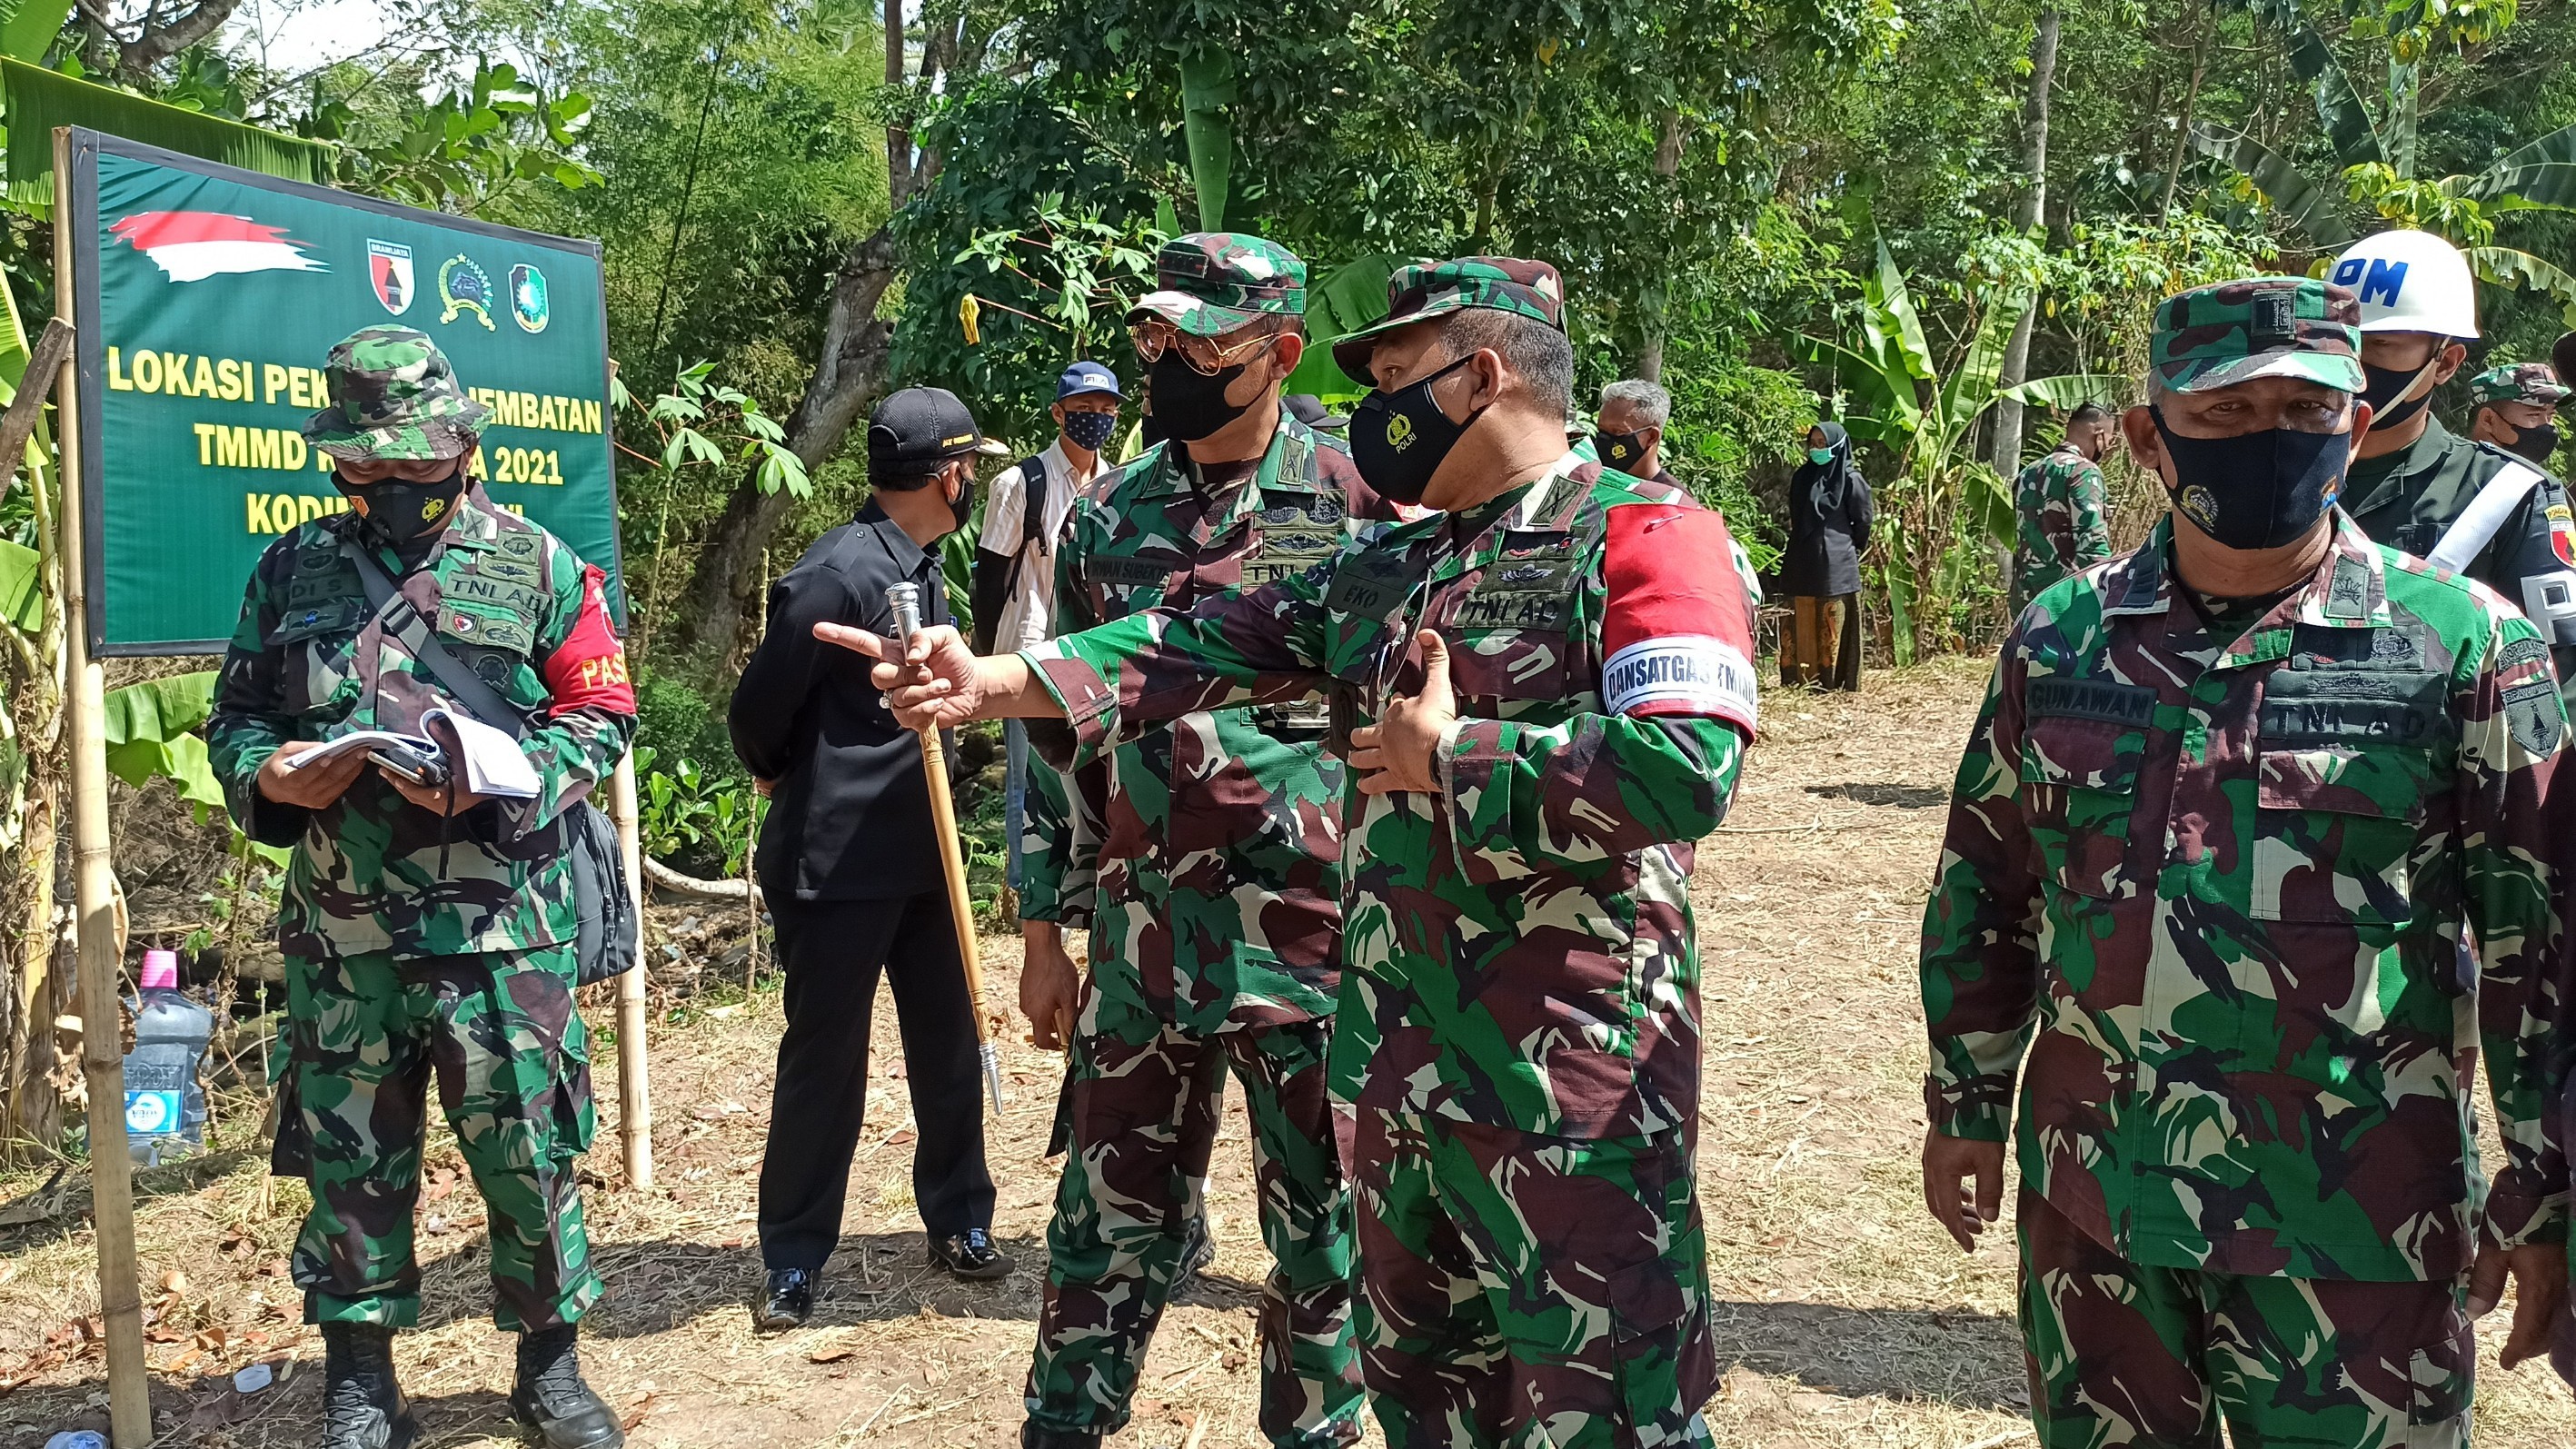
{"type": "Point", "coordinates": [1843, 1316]}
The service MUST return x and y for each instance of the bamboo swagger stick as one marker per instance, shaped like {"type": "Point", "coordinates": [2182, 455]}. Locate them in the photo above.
{"type": "Point", "coordinates": [905, 601]}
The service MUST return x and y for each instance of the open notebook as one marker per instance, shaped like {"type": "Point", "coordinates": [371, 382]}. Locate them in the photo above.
{"type": "Point", "coordinates": [485, 761]}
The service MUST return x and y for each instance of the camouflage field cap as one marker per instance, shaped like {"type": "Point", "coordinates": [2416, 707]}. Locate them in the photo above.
{"type": "Point", "coordinates": [2526, 382]}
{"type": "Point", "coordinates": [2231, 332]}
{"type": "Point", "coordinates": [1427, 289]}
{"type": "Point", "coordinates": [394, 396]}
{"type": "Point", "coordinates": [1211, 282]}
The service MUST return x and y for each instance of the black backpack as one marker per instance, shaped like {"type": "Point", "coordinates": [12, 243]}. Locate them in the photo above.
{"type": "Point", "coordinates": [991, 592]}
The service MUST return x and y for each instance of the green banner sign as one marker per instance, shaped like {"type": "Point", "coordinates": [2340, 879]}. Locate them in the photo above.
{"type": "Point", "coordinates": [207, 298]}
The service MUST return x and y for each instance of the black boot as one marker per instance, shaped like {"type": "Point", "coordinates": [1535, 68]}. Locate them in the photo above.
{"type": "Point", "coordinates": [551, 1398]}
{"type": "Point", "coordinates": [362, 1406]}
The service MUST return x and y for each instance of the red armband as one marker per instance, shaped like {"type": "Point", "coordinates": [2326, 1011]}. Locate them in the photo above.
{"type": "Point", "coordinates": [590, 668]}
{"type": "Point", "coordinates": [1678, 636]}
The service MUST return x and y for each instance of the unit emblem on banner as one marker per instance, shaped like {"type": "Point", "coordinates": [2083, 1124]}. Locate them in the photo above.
{"type": "Point", "coordinates": [389, 272]}
{"type": "Point", "coordinates": [528, 298]}
{"type": "Point", "coordinates": [190, 246]}
{"type": "Point", "coordinates": [464, 287]}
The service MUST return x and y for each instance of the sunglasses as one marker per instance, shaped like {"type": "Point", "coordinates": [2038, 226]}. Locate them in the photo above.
{"type": "Point", "coordinates": [1205, 357]}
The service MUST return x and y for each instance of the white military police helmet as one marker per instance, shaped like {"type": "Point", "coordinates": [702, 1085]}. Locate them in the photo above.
{"type": "Point", "coordinates": [2410, 281]}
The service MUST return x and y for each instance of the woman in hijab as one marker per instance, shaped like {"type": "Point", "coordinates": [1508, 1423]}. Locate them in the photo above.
{"type": "Point", "coordinates": [1829, 518]}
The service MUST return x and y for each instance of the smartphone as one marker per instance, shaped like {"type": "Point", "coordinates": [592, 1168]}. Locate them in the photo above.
{"type": "Point", "coordinates": [410, 764]}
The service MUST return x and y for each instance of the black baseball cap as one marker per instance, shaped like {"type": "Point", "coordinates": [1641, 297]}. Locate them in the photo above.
{"type": "Point", "coordinates": [1307, 408]}
{"type": "Point", "coordinates": [921, 427]}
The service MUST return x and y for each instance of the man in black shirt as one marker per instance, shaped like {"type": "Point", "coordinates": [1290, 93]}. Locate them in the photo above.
{"type": "Point", "coordinates": [852, 872]}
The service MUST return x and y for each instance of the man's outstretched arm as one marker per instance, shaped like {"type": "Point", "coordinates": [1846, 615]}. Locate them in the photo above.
{"type": "Point", "coordinates": [943, 681]}
{"type": "Point", "coordinates": [1236, 648]}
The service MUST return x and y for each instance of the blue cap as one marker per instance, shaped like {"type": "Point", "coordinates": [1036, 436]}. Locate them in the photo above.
{"type": "Point", "coordinates": [1085, 377]}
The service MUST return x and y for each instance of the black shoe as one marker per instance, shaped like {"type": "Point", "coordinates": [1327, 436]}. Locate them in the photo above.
{"type": "Point", "coordinates": [362, 1406]}
{"type": "Point", "coordinates": [971, 1255]}
{"type": "Point", "coordinates": [1196, 1253]}
{"type": "Point", "coordinates": [789, 1300]}
{"type": "Point", "coordinates": [551, 1398]}
{"type": "Point", "coordinates": [1033, 1437]}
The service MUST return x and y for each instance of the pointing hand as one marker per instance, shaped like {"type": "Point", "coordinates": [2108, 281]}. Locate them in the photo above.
{"type": "Point", "coordinates": [938, 682]}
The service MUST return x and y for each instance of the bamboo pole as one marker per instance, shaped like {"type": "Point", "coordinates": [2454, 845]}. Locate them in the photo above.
{"type": "Point", "coordinates": [905, 600]}
{"type": "Point", "coordinates": [120, 1305]}
{"type": "Point", "coordinates": [634, 1087]}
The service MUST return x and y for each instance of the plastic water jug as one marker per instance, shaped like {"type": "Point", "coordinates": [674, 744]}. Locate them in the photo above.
{"type": "Point", "coordinates": [165, 1108]}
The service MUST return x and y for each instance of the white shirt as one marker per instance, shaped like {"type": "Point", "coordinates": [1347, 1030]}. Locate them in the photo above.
{"type": "Point", "coordinates": [1027, 612]}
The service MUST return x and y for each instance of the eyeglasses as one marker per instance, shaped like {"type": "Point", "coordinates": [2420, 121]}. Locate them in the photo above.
{"type": "Point", "coordinates": [1154, 338]}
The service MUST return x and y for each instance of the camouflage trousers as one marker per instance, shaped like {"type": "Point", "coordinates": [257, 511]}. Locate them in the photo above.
{"type": "Point", "coordinates": [2122, 1354]}
{"type": "Point", "coordinates": [1528, 1290]}
{"type": "Point", "coordinates": [1143, 1115]}
{"type": "Point", "coordinates": [363, 1036]}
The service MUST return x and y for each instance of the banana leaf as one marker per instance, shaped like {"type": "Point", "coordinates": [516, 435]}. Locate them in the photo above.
{"type": "Point", "coordinates": [39, 100]}
{"type": "Point", "coordinates": [29, 27]}
{"type": "Point", "coordinates": [1900, 613]}
{"type": "Point", "coordinates": [1349, 298]}
{"type": "Point", "coordinates": [1990, 502]}
{"type": "Point", "coordinates": [2068, 391]}
{"type": "Point", "coordinates": [2339, 104]}
{"type": "Point", "coordinates": [2549, 185]}
{"type": "Point", "coordinates": [2558, 145]}
{"type": "Point", "coordinates": [13, 371]}
{"type": "Point", "coordinates": [1207, 91]}
{"type": "Point", "coordinates": [2398, 135]}
{"type": "Point", "coordinates": [22, 602]}
{"type": "Point", "coordinates": [1891, 323]}
{"type": "Point", "coordinates": [1889, 400]}
{"type": "Point", "coordinates": [1971, 389]}
{"type": "Point", "coordinates": [149, 736]}
{"type": "Point", "coordinates": [2312, 208]}
{"type": "Point", "coordinates": [2508, 267]}
{"type": "Point", "coordinates": [157, 709]}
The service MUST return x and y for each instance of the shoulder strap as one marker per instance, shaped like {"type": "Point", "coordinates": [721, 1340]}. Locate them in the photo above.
{"type": "Point", "coordinates": [2468, 536]}
{"type": "Point", "coordinates": [1033, 487]}
{"type": "Point", "coordinates": [1033, 496]}
{"type": "Point", "coordinates": [396, 616]}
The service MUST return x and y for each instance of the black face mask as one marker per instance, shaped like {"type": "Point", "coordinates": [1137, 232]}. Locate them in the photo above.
{"type": "Point", "coordinates": [2535, 443]}
{"type": "Point", "coordinates": [404, 511]}
{"type": "Point", "coordinates": [1088, 431]}
{"type": "Point", "coordinates": [1623, 451]}
{"type": "Point", "coordinates": [963, 505]}
{"type": "Point", "coordinates": [2255, 490]}
{"type": "Point", "coordinates": [2385, 385]}
{"type": "Point", "coordinates": [1398, 438]}
{"type": "Point", "coordinates": [1188, 403]}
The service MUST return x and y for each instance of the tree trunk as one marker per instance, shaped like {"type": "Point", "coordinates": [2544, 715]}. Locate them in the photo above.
{"type": "Point", "coordinates": [155, 40]}
{"type": "Point", "coordinates": [38, 991]}
{"type": "Point", "coordinates": [2034, 197]}
{"type": "Point", "coordinates": [898, 140]}
{"type": "Point", "coordinates": [1650, 350]}
{"type": "Point", "coordinates": [723, 592]}
{"type": "Point", "coordinates": [2182, 124]}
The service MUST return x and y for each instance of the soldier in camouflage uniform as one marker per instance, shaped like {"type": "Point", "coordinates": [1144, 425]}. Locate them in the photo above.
{"type": "Point", "coordinates": [2515, 407]}
{"type": "Point", "coordinates": [2230, 804]}
{"type": "Point", "coordinates": [1204, 854]}
{"type": "Point", "coordinates": [426, 931]}
{"type": "Point", "coordinates": [2058, 508]}
{"type": "Point", "coordinates": [1547, 685]}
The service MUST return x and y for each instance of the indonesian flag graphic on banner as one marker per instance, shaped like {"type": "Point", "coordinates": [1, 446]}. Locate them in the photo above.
{"type": "Point", "coordinates": [190, 246]}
